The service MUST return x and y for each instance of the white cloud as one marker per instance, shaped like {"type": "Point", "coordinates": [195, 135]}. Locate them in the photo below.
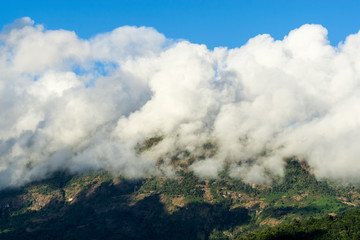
{"type": "Point", "coordinates": [208, 168]}
{"type": "Point", "coordinates": [75, 104]}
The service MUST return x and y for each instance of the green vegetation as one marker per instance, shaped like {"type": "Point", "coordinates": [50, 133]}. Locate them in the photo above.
{"type": "Point", "coordinates": [346, 226]}
{"type": "Point", "coordinates": [186, 185]}
{"type": "Point", "coordinates": [98, 205]}
{"type": "Point", "coordinates": [149, 143]}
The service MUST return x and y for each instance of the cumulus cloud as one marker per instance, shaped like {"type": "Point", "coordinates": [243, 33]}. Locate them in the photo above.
{"type": "Point", "coordinates": [77, 104]}
{"type": "Point", "coordinates": [208, 168]}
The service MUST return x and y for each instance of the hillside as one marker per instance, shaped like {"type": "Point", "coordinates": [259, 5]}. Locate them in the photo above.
{"type": "Point", "coordinates": [344, 226]}
{"type": "Point", "coordinates": [98, 205]}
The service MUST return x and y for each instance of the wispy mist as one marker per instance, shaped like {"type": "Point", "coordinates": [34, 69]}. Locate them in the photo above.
{"type": "Point", "coordinates": [73, 104]}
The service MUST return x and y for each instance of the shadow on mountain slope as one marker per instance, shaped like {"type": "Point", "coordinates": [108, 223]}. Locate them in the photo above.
{"type": "Point", "coordinates": [107, 214]}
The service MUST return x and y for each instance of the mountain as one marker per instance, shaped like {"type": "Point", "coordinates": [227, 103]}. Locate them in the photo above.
{"type": "Point", "coordinates": [344, 226]}
{"type": "Point", "coordinates": [97, 205]}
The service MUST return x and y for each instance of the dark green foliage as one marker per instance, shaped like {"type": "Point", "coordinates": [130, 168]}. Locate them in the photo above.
{"type": "Point", "coordinates": [147, 219]}
{"type": "Point", "coordinates": [297, 178]}
{"type": "Point", "coordinates": [187, 186]}
{"type": "Point", "coordinates": [345, 226]}
{"type": "Point", "coordinates": [11, 192]}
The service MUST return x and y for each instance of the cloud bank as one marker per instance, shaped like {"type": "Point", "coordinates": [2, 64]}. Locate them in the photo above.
{"type": "Point", "coordinates": [73, 104]}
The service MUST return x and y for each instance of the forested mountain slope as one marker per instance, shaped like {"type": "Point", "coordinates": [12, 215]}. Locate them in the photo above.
{"type": "Point", "coordinates": [98, 205]}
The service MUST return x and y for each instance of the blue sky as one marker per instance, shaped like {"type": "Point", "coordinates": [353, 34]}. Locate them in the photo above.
{"type": "Point", "coordinates": [213, 22]}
